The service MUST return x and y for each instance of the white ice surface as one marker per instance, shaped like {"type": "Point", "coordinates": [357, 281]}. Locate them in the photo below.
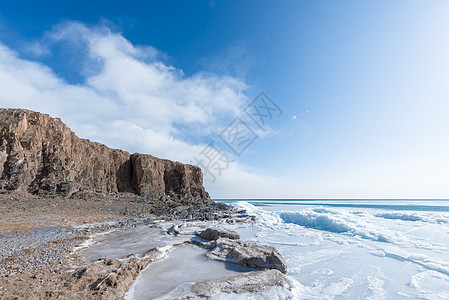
{"type": "Point", "coordinates": [358, 252]}
{"type": "Point", "coordinates": [123, 242]}
{"type": "Point", "coordinates": [174, 276]}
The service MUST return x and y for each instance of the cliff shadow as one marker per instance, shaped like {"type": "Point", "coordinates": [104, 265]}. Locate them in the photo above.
{"type": "Point", "coordinates": [124, 178]}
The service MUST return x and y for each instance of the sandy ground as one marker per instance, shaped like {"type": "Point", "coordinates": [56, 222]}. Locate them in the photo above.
{"type": "Point", "coordinates": [21, 212]}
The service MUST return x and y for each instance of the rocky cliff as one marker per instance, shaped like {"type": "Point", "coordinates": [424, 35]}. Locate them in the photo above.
{"type": "Point", "coordinates": [41, 155]}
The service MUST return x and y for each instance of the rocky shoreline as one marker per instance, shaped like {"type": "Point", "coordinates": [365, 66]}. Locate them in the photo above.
{"type": "Point", "coordinates": [58, 193]}
{"type": "Point", "coordinates": [41, 259]}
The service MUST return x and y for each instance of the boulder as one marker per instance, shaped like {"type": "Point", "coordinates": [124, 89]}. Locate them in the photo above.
{"type": "Point", "coordinates": [251, 282]}
{"type": "Point", "coordinates": [216, 233]}
{"type": "Point", "coordinates": [246, 254]}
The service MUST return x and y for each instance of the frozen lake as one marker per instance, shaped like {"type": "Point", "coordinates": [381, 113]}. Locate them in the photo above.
{"type": "Point", "coordinates": [357, 249]}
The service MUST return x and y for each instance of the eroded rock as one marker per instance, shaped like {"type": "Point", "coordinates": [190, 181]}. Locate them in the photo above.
{"type": "Point", "coordinates": [216, 233]}
{"type": "Point", "coordinates": [251, 282]}
{"type": "Point", "coordinates": [41, 155]}
{"type": "Point", "coordinates": [246, 254]}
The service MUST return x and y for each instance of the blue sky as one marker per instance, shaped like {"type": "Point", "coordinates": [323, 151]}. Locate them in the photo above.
{"type": "Point", "coordinates": [167, 77]}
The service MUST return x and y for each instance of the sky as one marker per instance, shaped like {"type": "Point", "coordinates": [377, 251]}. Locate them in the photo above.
{"type": "Point", "coordinates": [273, 99]}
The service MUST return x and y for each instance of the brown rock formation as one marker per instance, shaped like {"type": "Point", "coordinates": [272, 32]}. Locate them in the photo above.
{"type": "Point", "coordinates": [212, 234]}
{"type": "Point", "coordinates": [41, 155]}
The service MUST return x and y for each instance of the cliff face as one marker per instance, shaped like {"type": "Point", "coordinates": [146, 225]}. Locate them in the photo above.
{"type": "Point", "coordinates": [41, 155]}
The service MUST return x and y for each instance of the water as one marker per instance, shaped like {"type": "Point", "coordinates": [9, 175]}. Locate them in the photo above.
{"type": "Point", "coordinates": [357, 249]}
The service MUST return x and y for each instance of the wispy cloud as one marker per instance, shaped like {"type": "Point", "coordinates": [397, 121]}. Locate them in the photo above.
{"type": "Point", "coordinates": [129, 98]}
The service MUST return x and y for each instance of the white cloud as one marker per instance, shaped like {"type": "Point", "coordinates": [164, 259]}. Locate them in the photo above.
{"type": "Point", "coordinates": [130, 99]}
{"type": "Point", "coordinates": [36, 49]}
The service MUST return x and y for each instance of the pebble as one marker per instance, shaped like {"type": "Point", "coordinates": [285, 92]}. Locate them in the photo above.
{"type": "Point", "coordinates": [22, 251]}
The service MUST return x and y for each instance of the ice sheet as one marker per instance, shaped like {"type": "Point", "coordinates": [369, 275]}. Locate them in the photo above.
{"type": "Point", "coordinates": [176, 274]}
{"type": "Point", "coordinates": [358, 252]}
{"type": "Point", "coordinates": [123, 242]}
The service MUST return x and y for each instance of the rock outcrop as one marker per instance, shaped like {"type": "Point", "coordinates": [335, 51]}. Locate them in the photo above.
{"type": "Point", "coordinates": [216, 233]}
{"type": "Point", "coordinates": [246, 254]}
{"type": "Point", "coordinates": [233, 250]}
{"type": "Point", "coordinates": [252, 282]}
{"type": "Point", "coordinates": [41, 155]}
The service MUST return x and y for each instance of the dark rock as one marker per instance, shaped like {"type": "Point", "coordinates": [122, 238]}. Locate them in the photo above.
{"type": "Point", "coordinates": [216, 233]}
{"type": "Point", "coordinates": [246, 254]}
